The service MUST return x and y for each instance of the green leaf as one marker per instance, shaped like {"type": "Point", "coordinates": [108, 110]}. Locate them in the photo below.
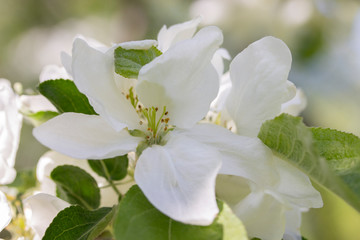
{"type": "Point", "coordinates": [76, 186]}
{"type": "Point", "coordinates": [342, 152]}
{"type": "Point", "coordinates": [40, 117]}
{"type": "Point", "coordinates": [111, 168]}
{"type": "Point", "coordinates": [128, 62]}
{"type": "Point", "coordinates": [77, 223]}
{"type": "Point", "coordinates": [137, 219]}
{"type": "Point", "coordinates": [291, 140]}
{"type": "Point", "coordinates": [65, 96]}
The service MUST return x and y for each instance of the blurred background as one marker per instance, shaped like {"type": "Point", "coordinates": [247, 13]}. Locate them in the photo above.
{"type": "Point", "coordinates": [323, 36]}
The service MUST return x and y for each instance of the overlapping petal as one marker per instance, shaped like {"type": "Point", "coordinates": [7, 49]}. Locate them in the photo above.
{"type": "Point", "coordinates": [93, 73]}
{"type": "Point", "coordinates": [262, 215]}
{"type": "Point", "coordinates": [241, 156]}
{"type": "Point", "coordinates": [41, 209]}
{"type": "Point", "coordinates": [183, 185]}
{"type": "Point", "coordinates": [259, 78]}
{"type": "Point", "coordinates": [295, 186]}
{"type": "Point", "coordinates": [84, 136]}
{"type": "Point", "coordinates": [292, 226]}
{"type": "Point", "coordinates": [168, 37]}
{"type": "Point", "coordinates": [296, 105]}
{"type": "Point", "coordinates": [183, 78]}
{"type": "Point", "coordinates": [53, 72]}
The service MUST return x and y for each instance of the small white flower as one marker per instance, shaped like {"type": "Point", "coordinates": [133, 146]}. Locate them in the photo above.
{"type": "Point", "coordinates": [256, 89]}
{"type": "Point", "coordinates": [175, 172]}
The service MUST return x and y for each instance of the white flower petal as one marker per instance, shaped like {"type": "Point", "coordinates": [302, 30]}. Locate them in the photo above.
{"type": "Point", "coordinates": [292, 226]}
{"type": "Point", "coordinates": [296, 105]}
{"type": "Point", "coordinates": [140, 45]}
{"type": "Point", "coordinates": [10, 127]}
{"type": "Point", "coordinates": [84, 136]}
{"type": "Point", "coordinates": [53, 72]}
{"type": "Point", "coordinates": [93, 73]}
{"type": "Point", "coordinates": [66, 61]}
{"type": "Point", "coordinates": [179, 179]}
{"type": "Point", "coordinates": [36, 103]}
{"type": "Point", "coordinates": [218, 105]}
{"type": "Point", "coordinates": [183, 78]}
{"type": "Point", "coordinates": [7, 173]}
{"type": "Point", "coordinates": [259, 78]}
{"type": "Point", "coordinates": [241, 156]}
{"type": "Point", "coordinates": [295, 186]}
{"type": "Point", "coordinates": [168, 37]}
{"type": "Point", "coordinates": [51, 160]}
{"type": "Point", "coordinates": [5, 212]}
{"type": "Point", "coordinates": [41, 209]}
{"type": "Point", "coordinates": [262, 215]}
{"type": "Point", "coordinates": [218, 60]}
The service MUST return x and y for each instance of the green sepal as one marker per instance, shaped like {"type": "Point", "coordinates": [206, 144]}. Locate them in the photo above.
{"type": "Point", "coordinates": [128, 62]}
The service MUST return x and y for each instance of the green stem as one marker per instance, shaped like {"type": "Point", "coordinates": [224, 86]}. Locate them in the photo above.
{"type": "Point", "coordinates": [108, 179]}
{"type": "Point", "coordinates": [117, 184]}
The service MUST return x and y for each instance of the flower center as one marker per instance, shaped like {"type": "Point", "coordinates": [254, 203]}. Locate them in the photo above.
{"type": "Point", "coordinates": [158, 127]}
{"type": "Point", "coordinates": [157, 121]}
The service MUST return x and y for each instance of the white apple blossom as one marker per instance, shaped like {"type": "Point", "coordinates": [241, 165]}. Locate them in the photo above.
{"type": "Point", "coordinates": [40, 210]}
{"type": "Point", "coordinates": [10, 126]}
{"type": "Point", "coordinates": [175, 172]}
{"type": "Point", "coordinates": [256, 89]}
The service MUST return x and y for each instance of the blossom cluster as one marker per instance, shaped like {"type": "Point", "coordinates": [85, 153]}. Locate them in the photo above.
{"type": "Point", "coordinates": [188, 130]}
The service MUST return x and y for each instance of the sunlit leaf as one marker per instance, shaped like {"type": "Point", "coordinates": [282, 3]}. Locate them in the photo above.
{"type": "Point", "coordinates": [291, 140]}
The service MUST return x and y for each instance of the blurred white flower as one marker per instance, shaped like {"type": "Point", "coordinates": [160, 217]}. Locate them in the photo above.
{"type": "Point", "coordinates": [10, 126]}
{"type": "Point", "coordinates": [40, 210]}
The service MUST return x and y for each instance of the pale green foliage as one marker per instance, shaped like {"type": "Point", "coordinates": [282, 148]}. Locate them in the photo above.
{"type": "Point", "coordinates": [289, 138]}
